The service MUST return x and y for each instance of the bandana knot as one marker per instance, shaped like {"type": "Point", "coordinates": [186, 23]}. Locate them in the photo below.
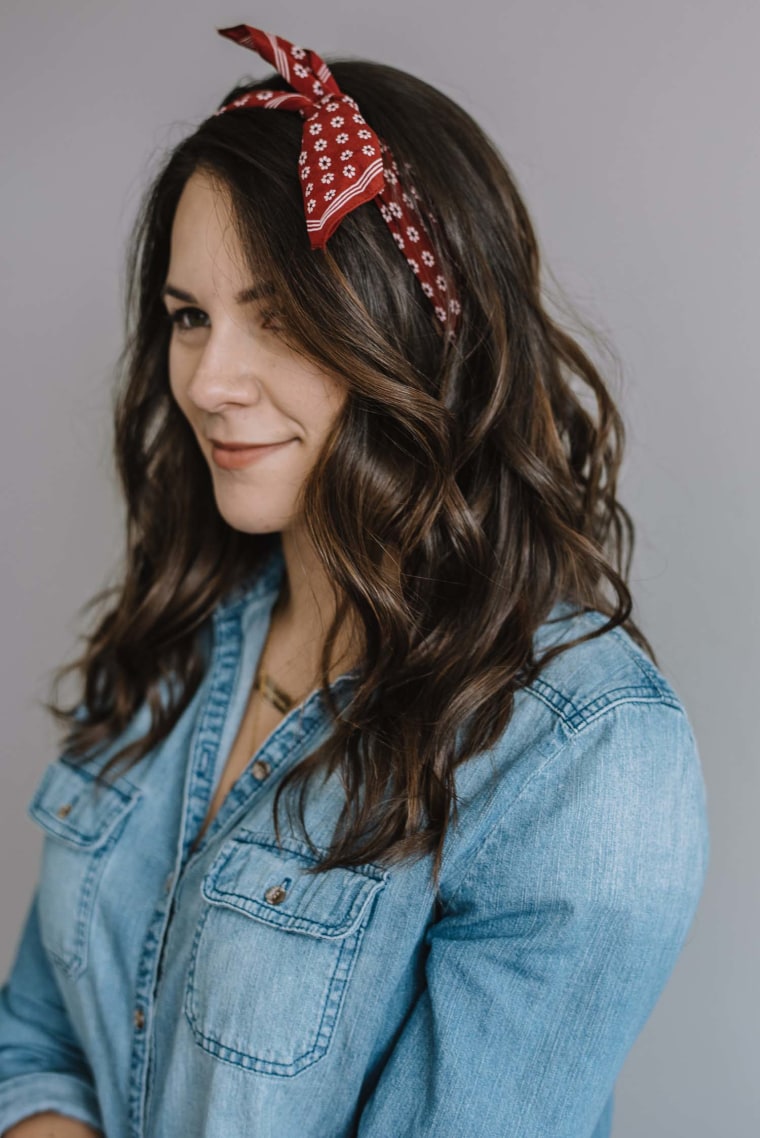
{"type": "Point", "coordinates": [343, 163]}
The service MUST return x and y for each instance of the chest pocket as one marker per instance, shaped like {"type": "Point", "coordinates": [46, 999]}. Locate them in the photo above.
{"type": "Point", "coordinates": [82, 821]}
{"type": "Point", "coordinates": [274, 951]}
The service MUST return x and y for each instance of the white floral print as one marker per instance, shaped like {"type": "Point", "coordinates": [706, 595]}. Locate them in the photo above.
{"type": "Point", "coordinates": [343, 148]}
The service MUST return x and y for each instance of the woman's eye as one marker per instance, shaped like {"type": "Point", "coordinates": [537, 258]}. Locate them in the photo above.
{"type": "Point", "coordinates": [177, 318]}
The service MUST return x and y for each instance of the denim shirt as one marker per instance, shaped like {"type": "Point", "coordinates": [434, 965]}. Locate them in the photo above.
{"type": "Point", "coordinates": [159, 993]}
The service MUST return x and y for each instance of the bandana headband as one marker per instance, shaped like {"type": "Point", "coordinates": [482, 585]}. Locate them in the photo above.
{"type": "Point", "coordinates": [343, 162]}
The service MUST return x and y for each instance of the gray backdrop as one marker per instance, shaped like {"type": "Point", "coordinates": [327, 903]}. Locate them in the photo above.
{"type": "Point", "coordinates": [632, 130]}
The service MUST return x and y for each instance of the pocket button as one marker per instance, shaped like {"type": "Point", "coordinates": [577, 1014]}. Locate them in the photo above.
{"type": "Point", "coordinates": [62, 811]}
{"type": "Point", "coordinates": [275, 895]}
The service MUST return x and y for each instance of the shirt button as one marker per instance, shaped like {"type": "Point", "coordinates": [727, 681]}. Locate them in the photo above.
{"type": "Point", "coordinates": [139, 1019]}
{"type": "Point", "coordinates": [168, 882]}
{"type": "Point", "coordinates": [275, 895]}
{"type": "Point", "coordinates": [260, 769]}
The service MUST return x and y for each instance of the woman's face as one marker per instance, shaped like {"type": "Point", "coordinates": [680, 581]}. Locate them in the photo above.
{"type": "Point", "coordinates": [232, 374]}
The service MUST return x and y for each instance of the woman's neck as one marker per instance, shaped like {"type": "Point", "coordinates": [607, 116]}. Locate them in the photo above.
{"type": "Point", "coordinates": [305, 609]}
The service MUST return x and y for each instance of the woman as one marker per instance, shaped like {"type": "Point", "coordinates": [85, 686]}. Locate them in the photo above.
{"type": "Point", "coordinates": [376, 564]}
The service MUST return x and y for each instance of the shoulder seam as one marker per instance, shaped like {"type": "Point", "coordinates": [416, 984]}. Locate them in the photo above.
{"type": "Point", "coordinates": [559, 703]}
{"type": "Point", "coordinates": [652, 690]}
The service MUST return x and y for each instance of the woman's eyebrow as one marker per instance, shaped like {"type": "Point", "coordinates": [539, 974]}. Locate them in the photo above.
{"type": "Point", "coordinates": [246, 296]}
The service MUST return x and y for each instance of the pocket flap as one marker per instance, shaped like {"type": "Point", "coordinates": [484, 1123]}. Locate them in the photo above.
{"type": "Point", "coordinates": [70, 805]}
{"type": "Point", "coordinates": [329, 904]}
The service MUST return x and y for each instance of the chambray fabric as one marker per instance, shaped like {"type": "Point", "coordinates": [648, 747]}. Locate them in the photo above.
{"type": "Point", "coordinates": [160, 993]}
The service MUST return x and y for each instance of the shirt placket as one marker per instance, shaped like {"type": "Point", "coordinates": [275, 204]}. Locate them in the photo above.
{"type": "Point", "coordinates": [292, 738]}
{"type": "Point", "coordinates": [223, 670]}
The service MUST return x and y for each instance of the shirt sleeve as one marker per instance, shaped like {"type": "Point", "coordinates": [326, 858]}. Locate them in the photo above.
{"type": "Point", "coordinates": [42, 1066]}
{"type": "Point", "coordinates": [552, 950]}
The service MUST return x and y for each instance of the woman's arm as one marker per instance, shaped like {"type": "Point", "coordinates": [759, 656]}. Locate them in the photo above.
{"type": "Point", "coordinates": [555, 945]}
{"type": "Point", "coordinates": [48, 1124]}
{"type": "Point", "coordinates": [46, 1085]}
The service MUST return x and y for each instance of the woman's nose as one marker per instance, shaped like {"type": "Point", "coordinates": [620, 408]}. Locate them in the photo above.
{"type": "Point", "coordinates": [227, 371]}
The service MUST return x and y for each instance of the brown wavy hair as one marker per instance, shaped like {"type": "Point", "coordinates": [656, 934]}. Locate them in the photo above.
{"type": "Point", "coordinates": [464, 489]}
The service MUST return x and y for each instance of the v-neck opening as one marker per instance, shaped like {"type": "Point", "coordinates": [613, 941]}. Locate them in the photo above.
{"type": "Point", "coordinates": [245, 669]}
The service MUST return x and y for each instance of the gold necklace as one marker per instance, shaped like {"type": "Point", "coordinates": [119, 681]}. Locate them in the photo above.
{"type": "Point", "coordinates": [265, 683]}
{"type": "Point", "coordinates": [272, 692]}
{"type": "Point", "coordinates": [277, 696]}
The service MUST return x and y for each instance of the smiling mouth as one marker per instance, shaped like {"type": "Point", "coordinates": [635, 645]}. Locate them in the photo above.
{"type": "Point", "coordinates": [236, 457]}
{"type": "Point", "coordinates": [246, 446]}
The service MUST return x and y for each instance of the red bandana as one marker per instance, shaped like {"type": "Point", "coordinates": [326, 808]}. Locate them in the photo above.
{"type": "Point", "coordinates": [343, 163]}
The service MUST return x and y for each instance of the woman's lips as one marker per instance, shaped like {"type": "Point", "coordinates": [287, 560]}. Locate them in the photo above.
{"type": "Point", "coordinates": [233, 458]}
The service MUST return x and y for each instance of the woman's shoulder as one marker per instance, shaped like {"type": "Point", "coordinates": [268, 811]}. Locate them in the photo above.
{"type": "Point", "coordinates": [606, 686]}
{"type": "Point", "coordinates": [586, 679]}
{"type": "Point", "coordinates": [599, 748]}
